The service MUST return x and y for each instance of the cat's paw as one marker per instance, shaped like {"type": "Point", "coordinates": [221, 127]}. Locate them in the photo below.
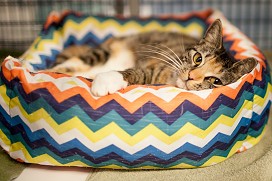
{"type": "Point", "coordinates": [108, 83]}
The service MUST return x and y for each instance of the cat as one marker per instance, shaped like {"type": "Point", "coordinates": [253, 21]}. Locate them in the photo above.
{"type": "Point", "coordinates": [155, 58]}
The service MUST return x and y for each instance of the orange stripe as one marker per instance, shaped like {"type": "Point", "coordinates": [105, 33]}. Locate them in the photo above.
{"type": "Point", "coordinates": [56, 18]}
{"type": "Point", "coordinates": [131, 107]}
{"type": "Point", "coordinates": [168, 107]}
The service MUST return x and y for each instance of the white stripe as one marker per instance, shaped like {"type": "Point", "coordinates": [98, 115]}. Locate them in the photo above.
{"type": "Point", "coordinates": [4, 105]}
{"type": "Point", "coordinates": [259, 109]}
{"type": "Point", "coordinates": [62, 83]}
{"type": "Point", "coordinates": [165, 93]}
{"type": "Point", "coordinates": [4, 146]}
{"type": "Point", "coordinates": [35, 54]}
{"type": "Point", "coordinates": [18, 154]}
{"type": "Point", "coordinates": [149, 140]}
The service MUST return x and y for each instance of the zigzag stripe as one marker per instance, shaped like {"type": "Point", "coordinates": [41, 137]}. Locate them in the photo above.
{"type": "Point", "coordinates": [12, 70]}
{"type": "Point", "coordinates": [149, 149]}
{"type": "Point", "coordinates": [247, 48]}
{"type": "Point", "coordinates": [148, 118]}
{"type": "Point", "coordinates": [39, 80]}
{"type": "Point", "coordinates": [108, 25]}
{"type": "Point", "coordinates": [80, 27]}
{"type": "Point", "coordinates": [70, 135]}
{"type": "Point", "coordinates": [118, 131]}
{"type": "Point", "coordinates": [111, 126]}
{"type": "Point", "coordinates": [151, 159]}
{"type": "Point", "coordinates": [59, 20]}
{"type": "Point", "coordinates": [66, 105]}
{"type": "Point", "coordinates": [38, 55]}
{"type": "Point", "coordinates": [41, 59]}
{"type": "Point", "coordinates": [101, 30]}
{"type": "Point", "coordinates": [86, 133]}
{"type": "Point", "coordinates": [84, 92]}
{"type": "Point", "coordinates": [71, 143]}
{"type": "Point", "coordinates": [45, 159]}
{"type": "Point", "coordinates": [89, 38]}
{"type": "Point", "coordinates": [109, 164]}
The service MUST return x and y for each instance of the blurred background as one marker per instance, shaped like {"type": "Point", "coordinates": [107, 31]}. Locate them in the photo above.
{"type": "Point", "coordinates": [21, 20]}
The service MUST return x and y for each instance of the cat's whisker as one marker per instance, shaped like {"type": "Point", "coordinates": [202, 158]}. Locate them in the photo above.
{"type": "Point", "coordinates": [157, 48]}
{"type": "Point", "coordinates": [164, 55]}
{"type": "Point", "coordinates": [168, 64]}
{"type": "Point", "coordinates": [165, 61]}
{"type": "Point", "coordinates": [182, 44]}
{"type": "Point", "coordinates": [163, 51]}
{"type": "Point", "coordinates": [174, 54]}
{"type": "Point", "coordinates": [178, 64]}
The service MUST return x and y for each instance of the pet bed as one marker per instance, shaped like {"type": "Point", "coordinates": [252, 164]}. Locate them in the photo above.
{"type": "Point", "coordinates": [52, 119]}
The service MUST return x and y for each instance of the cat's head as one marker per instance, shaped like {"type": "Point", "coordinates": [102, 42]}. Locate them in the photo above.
{"type": "Point", "coordinates": [210, 65]}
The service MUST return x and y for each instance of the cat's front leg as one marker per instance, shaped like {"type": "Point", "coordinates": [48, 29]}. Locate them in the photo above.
{"type": "Point", "coordinates": [112, 81]}
{"type": "Point", "coordinates": [108, 83]}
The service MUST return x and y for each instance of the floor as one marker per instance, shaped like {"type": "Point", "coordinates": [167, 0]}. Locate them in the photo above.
{"type": "Point", "coordinates": [46, 173]}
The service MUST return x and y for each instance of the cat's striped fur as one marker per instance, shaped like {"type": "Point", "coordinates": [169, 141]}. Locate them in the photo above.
{"type": "Point", "coordinates": [155, 58]}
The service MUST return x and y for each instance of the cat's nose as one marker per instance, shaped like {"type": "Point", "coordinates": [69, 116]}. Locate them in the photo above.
{"type": "Point", "coordinates": [193, 75]}
{"type": "Point", "coordinates": [190, 78]}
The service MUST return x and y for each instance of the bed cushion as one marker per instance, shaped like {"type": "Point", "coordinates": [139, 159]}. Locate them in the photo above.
{"type": "Point", "coordinates": [52, 119]}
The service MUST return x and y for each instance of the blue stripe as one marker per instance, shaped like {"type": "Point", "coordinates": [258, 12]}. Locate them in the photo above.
{"type": "Point", "coordinates": [42, 134]}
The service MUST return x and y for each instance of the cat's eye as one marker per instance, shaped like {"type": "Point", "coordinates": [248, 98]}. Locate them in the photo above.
{"type": "Point", "coordinates": [197, 59]}
{"type": "Point", "coordinates": [214, 81]}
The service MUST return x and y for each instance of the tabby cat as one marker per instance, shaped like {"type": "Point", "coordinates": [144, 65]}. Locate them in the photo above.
{"type": "Point", "coordinates": [155, 58]}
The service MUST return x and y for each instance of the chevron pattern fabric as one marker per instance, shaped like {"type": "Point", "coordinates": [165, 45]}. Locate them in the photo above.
{"type": "Point", "coordinates": [52, 119]}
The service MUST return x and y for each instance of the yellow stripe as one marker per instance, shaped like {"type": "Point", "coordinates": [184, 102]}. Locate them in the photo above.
{"type": "Point", "coordinates": [47, 158]}
{"type": "Point", "coordinates": [6, 99]}
{"type": "Point", "coordinates": [182, 165]}
{"type": "Point", "coordinates": [259, 100]}
{"type": "Point", "coordinates": [39, 44]}
{"type": "Point", "coordinates": [3, 91]}
{"type": "Point", "coordinates": [122, 28]}
{"type": "Point", "coordinates": [4, 138]}
{"type": "Point", "coordinates": [235, 148]}
{"type": "Point", "coordinates": [118, 131]}
{"type": "Point", "coordinates": [113, 128]}
{"type": "Point", "coordinates": [41, 158]}
{"type": "Point", "coordinates": [28, 54]}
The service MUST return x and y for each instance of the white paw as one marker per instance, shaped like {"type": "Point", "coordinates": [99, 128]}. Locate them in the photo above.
{"type": "Point", "coordinates": [107, 83]}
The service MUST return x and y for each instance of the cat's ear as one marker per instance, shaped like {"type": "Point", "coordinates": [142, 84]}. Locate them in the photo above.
{"type": "Point", "coordinates": [243, 67]}
{"type": "Point", "coordinates": [213, 34]}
